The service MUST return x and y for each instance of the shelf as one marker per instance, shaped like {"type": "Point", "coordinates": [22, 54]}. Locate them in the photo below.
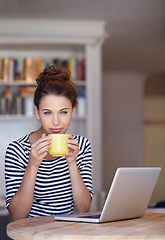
{"type": "Point", "coordinates": [62, 39]}
{"type": "Point", "coordinates": [80, 83]}
{"type": "Point", "coordinates": [22, 83]}
{"type": "Point", "coordinates": [9, 117]}
{"type": "Point", "coordinates": [79, 118]}
{"type": "Point", "coordinates": [154, 122]}
{"type": "Point", "coordinates": [17, 83]}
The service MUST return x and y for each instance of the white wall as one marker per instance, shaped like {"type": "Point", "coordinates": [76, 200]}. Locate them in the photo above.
{"type": "Point", "coordinates": [123, 137]}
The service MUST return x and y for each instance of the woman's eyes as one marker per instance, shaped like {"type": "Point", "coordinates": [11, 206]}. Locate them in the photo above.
{"type": "Point", "coordinates": [46, 113]}
{"type": "Point", "coordinates": [64, 112]}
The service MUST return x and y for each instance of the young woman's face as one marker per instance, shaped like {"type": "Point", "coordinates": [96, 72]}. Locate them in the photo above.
{"type": "Point", "coordinates": [55, 113]}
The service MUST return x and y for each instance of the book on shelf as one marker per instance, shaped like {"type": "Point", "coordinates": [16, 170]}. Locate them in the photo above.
{"type": "Point", "coordinates": [28, 68]}
{"type": "Point", "coordinates": [2, 102]}
{"type": "Point", "coordinates": [28, 106]}
{"type": "Point", "coordinates": [76, 67]}
{"type": "Point", "coordinates": [81, 107]}
{"type": "Point", "coordinates": [8, 104]}
{"type": "Point", "coordinates": [1, 74]}
{"type": "Point", "coordinates": [27, 95]}
{"type": "Point", "coordinates": [27, 91]}
{"type": "Point", "coordinates": [71, 68]}
{"type": "Point", "coordinates": [17, 102]}
{"type": "Point", "coordinates": [39, 66]}
{"type": "Point", "coordinates": [5, 69]}
{"type": "Point", "coordinates": [20, 101]}
{"type": "Point", "coordinates": [81, 70]}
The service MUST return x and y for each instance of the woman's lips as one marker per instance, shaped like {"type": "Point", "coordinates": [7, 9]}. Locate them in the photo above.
{"type": "Point", "coordinates": [55, 130]}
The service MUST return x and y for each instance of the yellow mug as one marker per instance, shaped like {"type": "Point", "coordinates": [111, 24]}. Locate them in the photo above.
{"type": "Point", "coordinates": [59, 146]}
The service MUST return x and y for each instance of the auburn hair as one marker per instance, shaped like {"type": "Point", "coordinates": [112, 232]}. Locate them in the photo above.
{"type": "Point", "coordinates": [55, 81]}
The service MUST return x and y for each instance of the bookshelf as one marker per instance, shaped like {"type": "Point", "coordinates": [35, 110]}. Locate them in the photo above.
{"type": "Point", "coordinates": [50, 40]}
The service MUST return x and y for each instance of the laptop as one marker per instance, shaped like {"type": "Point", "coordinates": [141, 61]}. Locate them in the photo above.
{"type": "Point", "coordinates": [128, 197]}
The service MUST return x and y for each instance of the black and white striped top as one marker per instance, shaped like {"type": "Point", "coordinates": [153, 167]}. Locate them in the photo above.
{"type": "Point", "coordinates": [53, 190]}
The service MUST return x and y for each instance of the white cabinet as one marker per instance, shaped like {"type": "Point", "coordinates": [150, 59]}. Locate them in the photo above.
{"type": "Point", "coordinates": [49, 39]}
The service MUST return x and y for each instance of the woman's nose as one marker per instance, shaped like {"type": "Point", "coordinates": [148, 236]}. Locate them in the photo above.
{"type": "Point", "coordinates": [55, 119]}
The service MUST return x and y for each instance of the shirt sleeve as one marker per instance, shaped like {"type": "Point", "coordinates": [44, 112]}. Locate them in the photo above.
{"type": "Point", "coordinates": [84, 163]}
{"type": "Point", "coordinates": [14, 169]}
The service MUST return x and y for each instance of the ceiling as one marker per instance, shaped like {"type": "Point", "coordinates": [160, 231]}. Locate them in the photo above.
{"type": "Point", "coordinates": [136, 28]}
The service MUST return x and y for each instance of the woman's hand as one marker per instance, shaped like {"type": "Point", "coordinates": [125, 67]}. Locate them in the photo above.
{"type": "Point", "coordinates": [39, 150]}
{"type": "Point", "coordinates": [22, 201]}
{"type": "Point", "coordinates": [81, 194]}
{"type": "Point", "coordinates": [73, 149]}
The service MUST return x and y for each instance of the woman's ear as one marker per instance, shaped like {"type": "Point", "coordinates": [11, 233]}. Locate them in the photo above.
{"type": "Point", "coordinates": [37, 113]}
{"type": "Point", "coordinates": [73, 110]}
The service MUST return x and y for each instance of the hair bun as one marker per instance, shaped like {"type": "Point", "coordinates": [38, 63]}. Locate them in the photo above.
{"type": "Point", "coordinates": [53, 73]}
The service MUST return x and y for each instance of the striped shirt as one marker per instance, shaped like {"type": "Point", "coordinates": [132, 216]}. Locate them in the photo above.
{"type": "Point", "coordinates": [53, 189]}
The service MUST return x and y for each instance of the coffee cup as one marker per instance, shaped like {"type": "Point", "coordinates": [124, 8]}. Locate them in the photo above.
{"type": "Point", "coordinates": [59, 146]}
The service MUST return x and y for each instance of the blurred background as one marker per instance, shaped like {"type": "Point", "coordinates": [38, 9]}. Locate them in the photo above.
{"type": "Point", "coordinates": [133, 83]}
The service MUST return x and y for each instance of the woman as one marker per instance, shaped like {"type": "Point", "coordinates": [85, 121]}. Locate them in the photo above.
{"type": "Point", "coordinates": [38, 184]}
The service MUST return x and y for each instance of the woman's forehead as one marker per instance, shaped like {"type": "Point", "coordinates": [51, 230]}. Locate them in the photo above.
{"type": "Point", "coordinates": [51, 99]}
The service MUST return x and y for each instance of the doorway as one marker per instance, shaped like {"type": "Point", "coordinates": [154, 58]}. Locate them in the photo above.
{"type": "Point", "coordinates": [154, 129]}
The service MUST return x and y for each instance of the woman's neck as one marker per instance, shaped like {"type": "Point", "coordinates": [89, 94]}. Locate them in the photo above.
{"type": "Point", "coordinates": [34, 136]}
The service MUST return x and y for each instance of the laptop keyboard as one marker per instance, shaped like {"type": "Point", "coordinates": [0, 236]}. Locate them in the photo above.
{"type": "Point", "coordinates": [91, 216]}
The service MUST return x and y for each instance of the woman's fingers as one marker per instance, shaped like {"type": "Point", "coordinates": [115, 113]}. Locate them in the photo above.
{"type": "Point", "coordinates": [73, 144]}
{"type": "Point", "coordinates": [41, 141]}
{"type": "Point", "coordinates": [42, 144]}
{"type": "Point", "coordinates": [39, 149]}
{"type": "Point", "coordinates": [73, 149]}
